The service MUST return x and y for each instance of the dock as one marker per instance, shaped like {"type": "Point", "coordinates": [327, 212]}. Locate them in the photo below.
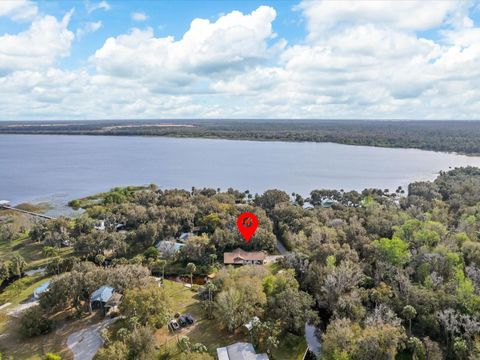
{"type": "Point", "coordinates": [8, 207]}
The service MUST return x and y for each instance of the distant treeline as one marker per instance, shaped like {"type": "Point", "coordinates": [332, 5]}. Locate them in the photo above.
{"type": "Point", "coordinates": [450, 136]}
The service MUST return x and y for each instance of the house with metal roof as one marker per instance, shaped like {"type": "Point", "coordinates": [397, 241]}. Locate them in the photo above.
{"type": "Point", "coordinates": [168, 248]}
{"type": "Point", "coordinates": [105, 298]}
{"type": "Point", "coordinates": [239, 351]}
{"type": "Point", "coordinates": [102, 294]}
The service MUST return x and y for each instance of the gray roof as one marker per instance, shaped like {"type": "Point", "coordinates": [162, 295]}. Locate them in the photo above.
{"type": "Point", "coordinates": [240, 351]}
{"type": "Point", "coordinates": [102, 294]}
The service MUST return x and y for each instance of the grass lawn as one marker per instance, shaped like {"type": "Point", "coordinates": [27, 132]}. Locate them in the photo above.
{"type": "Point", "coordinates": [209, 332]}
{"type": "Point", "coordinates": [21, 289]}
{"type": "Point", "coordinates": [30, 251]}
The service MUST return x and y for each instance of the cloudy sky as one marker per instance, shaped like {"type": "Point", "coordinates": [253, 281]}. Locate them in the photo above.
{"type": "Point", "coordinates": [239, 59]}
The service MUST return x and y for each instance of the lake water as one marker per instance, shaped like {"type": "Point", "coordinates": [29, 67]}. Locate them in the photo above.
{"type": "Point", "coordinates": [60, 168]}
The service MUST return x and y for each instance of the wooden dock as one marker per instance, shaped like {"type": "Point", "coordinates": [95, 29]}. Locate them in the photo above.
{"type": "Point", "coordinates": [8, 207]}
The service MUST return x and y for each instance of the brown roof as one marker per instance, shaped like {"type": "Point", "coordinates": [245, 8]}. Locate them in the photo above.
{"type": "Point", "coordinates": [237, 256]}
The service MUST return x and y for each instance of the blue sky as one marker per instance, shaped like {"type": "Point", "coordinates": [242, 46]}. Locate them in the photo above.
{"type": "Point", "coordinates": [164, 17]}
{"type": "Point", "coordinates": [260, 59]}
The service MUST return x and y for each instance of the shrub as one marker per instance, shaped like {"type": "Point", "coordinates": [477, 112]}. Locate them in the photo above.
{"type": "Point", "coordinates": [34, 322]}
{"type": "Point", "coordinates": [52, 356]}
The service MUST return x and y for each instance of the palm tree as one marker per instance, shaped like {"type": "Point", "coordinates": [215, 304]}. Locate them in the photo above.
{"type": "Point", "coordinates": [191, 268]}
{"type": "Point", "coordinates": [210, 287]}
{"type": "Point", "coordinates": [162, 263]}
{"type": "Point", "coordinates": [409, 313]}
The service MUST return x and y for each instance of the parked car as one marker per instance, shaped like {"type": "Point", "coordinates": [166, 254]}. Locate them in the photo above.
{"type": "Point", "coordinates": [189, 318]}
{"type": "Point", "coordinates": [182, 320]}
{"type": "Point", "coordinates": [173, 325]}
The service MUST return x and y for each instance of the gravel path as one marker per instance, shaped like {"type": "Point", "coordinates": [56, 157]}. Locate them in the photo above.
{"type": "Point", "coordinates": [85, 343]}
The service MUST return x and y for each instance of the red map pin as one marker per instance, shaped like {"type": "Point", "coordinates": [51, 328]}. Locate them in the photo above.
{"type": "Point", "coordinates": [247, 224]}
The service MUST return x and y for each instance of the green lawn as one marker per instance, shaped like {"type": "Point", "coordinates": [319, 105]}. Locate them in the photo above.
{"type": "Point", "coordinates": [30, 251]}
{"type": "Point", "coordinates": [21, 289]}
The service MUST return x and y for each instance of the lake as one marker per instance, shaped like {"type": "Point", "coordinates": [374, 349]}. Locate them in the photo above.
{"type": "Point", "coordinates": [60, 168]}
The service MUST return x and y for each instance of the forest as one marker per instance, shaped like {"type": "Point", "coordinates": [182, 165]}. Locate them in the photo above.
{"type": "Point", "coordinates": [449, 136]}
{"type": "Point", "coordinates": [384, 274]}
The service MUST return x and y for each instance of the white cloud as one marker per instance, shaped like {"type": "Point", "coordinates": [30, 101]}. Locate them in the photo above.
{"type": "Point", "coordinates": [40, 46]}
{"type": "Point", "coordinates": [233, 42]}
{"type": "Point", "coordinates": [89, 27]}
{"type": "Point", "coordinates": [358, 60]}
{"type": "Point", "coordinates": [102, 5]}
{"type": "Point", "coordinates": [407, 15]}
{"type": "Point", "coordinates": [139, 16]}
{"type": "Point", "coordinates": [366, 60]}
{"type": "Point", "coordinates": [18, 10]}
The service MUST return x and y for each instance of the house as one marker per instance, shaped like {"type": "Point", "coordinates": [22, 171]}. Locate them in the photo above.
{"type": "Point", "coordinates": [104, 298]}
{"type": "Point", "coordinates": [239, 351]}
{"type": "Point", "coordinates": [41, 289]}
{"type": "Point", "coordinates": [168, 248]}
{"type": "Point", "coordinates": [242, 257]}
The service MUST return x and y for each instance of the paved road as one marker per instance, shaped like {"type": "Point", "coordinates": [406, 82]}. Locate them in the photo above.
{"type": "Point", "coordinates": [85, 343]}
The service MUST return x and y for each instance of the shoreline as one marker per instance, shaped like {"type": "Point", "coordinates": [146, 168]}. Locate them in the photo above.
{"type": "Point", "coordinates": [189, 136]}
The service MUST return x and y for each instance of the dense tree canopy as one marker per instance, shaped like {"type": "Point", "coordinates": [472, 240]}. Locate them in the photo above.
{"type": "Point", "coordinates": [388, 274]}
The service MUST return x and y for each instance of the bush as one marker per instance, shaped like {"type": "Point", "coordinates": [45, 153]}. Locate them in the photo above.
{"type": "Point", "coordinates": [75, 204]}
{"type": "Point", "coordinates": [34, 322]}
{"type": "Point", "coordinates": [52, 356]}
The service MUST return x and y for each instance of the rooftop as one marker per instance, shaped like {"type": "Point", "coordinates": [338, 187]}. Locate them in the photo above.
{"type": "Point", "coordinates": [103, 294]}
{"type": "Point", "coordinates": [168, 246]}
{"type": "Point", "coordinates": [239, 255]}
{"type": "Point", "coordinates": [239, 351]}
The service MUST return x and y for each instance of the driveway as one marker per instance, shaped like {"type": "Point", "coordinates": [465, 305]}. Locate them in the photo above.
{"type": "Point", "coordinates": [85, 343]}
{"type": "Point", "coordinates": [281, 248]}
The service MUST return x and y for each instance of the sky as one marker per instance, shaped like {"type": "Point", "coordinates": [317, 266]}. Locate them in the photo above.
{"type": "Point", "coordinates": [113, 59]}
